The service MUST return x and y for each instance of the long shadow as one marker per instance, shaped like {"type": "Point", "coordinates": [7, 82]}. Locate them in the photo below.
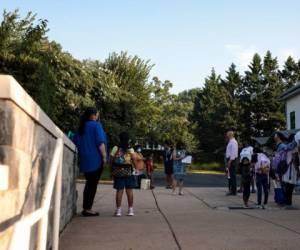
{"type": "Point", "coordinates": [196, 180]}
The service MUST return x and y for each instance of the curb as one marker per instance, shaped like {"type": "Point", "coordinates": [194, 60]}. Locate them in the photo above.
{"type": "Point", "coordinates": [100, 182]}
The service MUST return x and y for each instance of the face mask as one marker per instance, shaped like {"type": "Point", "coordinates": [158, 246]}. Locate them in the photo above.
{"type": "Point", "coordinates": [139, 150]}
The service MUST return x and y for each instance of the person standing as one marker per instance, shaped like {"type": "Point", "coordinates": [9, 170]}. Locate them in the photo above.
{"type": "Point", "coordinates": [168, 163]}
{"type": "Point", "coordinates": [290, 178]}
{"type": "Point", "coordinates": [179, 172]}
{"type": "Point", "coordinates": [262, 167]}
{"type": "Point", "coordinates": [122, 164]}
{"type": "Point", "coordinates": [150, 169]}
{"type": "Point", "coordinates": [90, 141]}
{"type": "Point", "coordinates": [231, 161]}
{"type": "Point", "coordinates": [139, 165]}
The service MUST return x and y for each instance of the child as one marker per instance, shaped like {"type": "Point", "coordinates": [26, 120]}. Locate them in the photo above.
{"type": "Point", "coordinates": [246, 173]}
{"type": "Point", "coordinates": [139, 164]}
{"type": "Point", "coordinates": [150, 169]}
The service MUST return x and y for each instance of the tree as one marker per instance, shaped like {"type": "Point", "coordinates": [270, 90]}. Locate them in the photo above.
{"type": "Point", "coordinates": [290, 73]}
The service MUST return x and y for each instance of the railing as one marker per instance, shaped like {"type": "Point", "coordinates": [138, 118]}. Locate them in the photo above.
{"type": "Point", "coordinates": [22, 229]}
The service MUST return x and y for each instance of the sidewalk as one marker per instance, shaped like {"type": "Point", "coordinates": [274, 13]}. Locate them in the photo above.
{"type": "Point", "coordinates": [198, 220]}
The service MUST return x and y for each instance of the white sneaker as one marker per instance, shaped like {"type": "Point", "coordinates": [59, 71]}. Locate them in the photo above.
{"type": "Point", "coordinates": [118, 212]}
{"type": "Point", "coordinates": [130, 211]}
{"type": "Point", "coordinates": [181, 193]}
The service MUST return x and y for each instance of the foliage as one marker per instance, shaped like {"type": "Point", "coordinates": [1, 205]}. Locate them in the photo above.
{"type": "Point", "coordinates": [121, 88]}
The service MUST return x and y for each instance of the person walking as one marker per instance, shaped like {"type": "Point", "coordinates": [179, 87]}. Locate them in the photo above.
{"type": "Point", "coordinates": [231, 161]}
{"type": "Point", "coordinates": [90, 141]}
{"type": "Point", "coordinates": [122, 164]}
{"type": "Point", "coordinates": [179, 172]}
{"type": "Point", "coordinates": [168, 164]}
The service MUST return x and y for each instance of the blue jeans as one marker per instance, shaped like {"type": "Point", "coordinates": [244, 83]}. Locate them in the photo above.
{"type": "Point", "coordinates": [262, 183]}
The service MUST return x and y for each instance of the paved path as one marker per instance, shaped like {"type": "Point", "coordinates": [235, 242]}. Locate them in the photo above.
{"type": "Point", "coordinates": [198, 220]}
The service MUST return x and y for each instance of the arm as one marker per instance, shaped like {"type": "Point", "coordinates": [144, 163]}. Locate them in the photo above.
{"type": "Point", "coordinates": [100, 141]}
{"type": "Point", "coordinates": [102, 149]}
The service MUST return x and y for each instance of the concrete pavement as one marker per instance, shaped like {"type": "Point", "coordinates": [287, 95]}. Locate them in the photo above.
{"type": "Point", "coordinates": [198, 220]}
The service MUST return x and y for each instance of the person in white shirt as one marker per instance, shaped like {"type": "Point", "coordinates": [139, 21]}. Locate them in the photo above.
{"type": "Point", "coordinates": [232, 151]}
{"type": "Point", "coordinates": [291, 176]}
{"type": "Point", "coordinates": [246, 154]}
{"type": "Point", "coordinates": [261, 167]}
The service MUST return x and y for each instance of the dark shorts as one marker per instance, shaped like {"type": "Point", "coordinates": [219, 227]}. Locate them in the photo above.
{"type": "Point", "coordinates": [127, 183]}
{"type": "Point", "coordinates": [169, 170]}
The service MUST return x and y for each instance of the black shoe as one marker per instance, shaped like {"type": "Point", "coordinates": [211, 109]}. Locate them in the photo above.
{"type": "Point", "coordinates": [89, 214]}
{"type": "Point", "coordinates": [230, 194]}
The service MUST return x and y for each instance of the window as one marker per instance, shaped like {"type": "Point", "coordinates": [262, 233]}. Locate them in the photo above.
{"type": "Point", "coordinates": [292, 120]}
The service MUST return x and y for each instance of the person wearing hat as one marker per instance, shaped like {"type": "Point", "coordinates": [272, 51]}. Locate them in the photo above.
{"type": "Point", "coordinates": [232, 151]}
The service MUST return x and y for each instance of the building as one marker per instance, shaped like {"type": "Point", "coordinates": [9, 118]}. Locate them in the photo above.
{"type": "Point", "coordinates": [292, 100]}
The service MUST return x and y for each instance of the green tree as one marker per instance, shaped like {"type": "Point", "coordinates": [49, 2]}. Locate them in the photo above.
{"type": "Point", "coordinates": [290, 73]}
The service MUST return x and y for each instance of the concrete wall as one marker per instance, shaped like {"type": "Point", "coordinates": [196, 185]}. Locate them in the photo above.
{"type": "Point", "coordinates": [293, 104]}
{"type": "Point", "coordinates": [27, 142]}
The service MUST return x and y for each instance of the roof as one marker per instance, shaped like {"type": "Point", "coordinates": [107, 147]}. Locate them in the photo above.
{"type": "Point", "coordinates": [291, 92]}
{"type": "Point", "coordinates": [260, 140]}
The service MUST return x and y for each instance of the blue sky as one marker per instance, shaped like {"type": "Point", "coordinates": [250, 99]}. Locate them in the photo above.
{"type": "Point", "coordinates": [184, 39]}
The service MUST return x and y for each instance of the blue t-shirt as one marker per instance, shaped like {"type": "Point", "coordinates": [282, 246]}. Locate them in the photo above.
{"type": "Point", "coordinates": [88, 146]}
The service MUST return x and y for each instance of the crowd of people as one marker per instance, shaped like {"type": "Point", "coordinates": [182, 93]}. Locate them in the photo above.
{"type": "Point", "coordinates": [128, 166]}
{"type": "Point", "coordinates": [259, 169]}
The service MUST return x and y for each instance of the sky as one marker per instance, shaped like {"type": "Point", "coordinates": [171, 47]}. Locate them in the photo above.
{"type": "Point", "coordinates": [185, 39]}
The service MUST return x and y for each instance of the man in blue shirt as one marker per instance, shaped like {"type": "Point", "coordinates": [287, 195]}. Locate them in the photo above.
{"type": "Point", "coordinates": [91, 144]}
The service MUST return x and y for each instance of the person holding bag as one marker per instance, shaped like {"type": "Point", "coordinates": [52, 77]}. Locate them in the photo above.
{"type": "Point", "coordinates": [122, 171]}
{"type": "Point", "coordinates": [139, 165]}
{"type": "Point", "coordinates": [290, 178]}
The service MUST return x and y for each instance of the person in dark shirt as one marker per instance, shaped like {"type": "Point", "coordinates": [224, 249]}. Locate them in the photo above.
{"type": "Point", "coordinates": [90, 141]}
{"type": "Point", "coordinates": [246, 172]}
{"type": "Point", "coordinates": [168, 163]}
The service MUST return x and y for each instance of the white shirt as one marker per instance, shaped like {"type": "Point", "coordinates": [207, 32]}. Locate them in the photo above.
{"type": "Point", "coordinates": [262, 161]}
{"type": "Point", "coordinates": [246, 152]}
{"type": "Point", "coordinates": [232, 150]}
{"type": "Point", "coordinates": [290, 175]}
{"type": "Point", "coordinates": [297, 137]}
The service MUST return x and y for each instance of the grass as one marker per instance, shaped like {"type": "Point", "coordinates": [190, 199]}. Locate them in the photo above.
{"type": "Point", "coordinates": [196, 168]}
{"type": "Point", "coordinates": [213, 167]}
{"type": "Point", "coordinates": [104, 177]}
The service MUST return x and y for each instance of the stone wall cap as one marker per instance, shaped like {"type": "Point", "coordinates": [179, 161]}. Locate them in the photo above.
{"type": "Point", "coordinates": [10, 89]}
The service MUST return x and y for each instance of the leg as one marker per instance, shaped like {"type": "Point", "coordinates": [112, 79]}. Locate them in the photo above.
{"type": "Point", "coordinates": [174, 184]}
{"type": "Point", "coordinates": [266, 189]}
{"type": "Point", "coordinates": [90, 188]}
{"type": "Point", "coordinates": [119, 195]}
{"type": "Point", "coordinates": [180, 186]}
{"type": "Point", "coordinates": [129, 193]}
{"type": "Point", "coordinates": [246, 192]}
{"type": "Point", "coordinates": [253, 184]}
{"type": "Point", "coordinates": [259, 189]}
{"type": "Point", "coordinates": [289, 188]}
{"type": "Point", "coordinates": [232, 172]}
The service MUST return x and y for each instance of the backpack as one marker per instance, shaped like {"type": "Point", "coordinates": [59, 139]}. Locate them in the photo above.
{"type": "Point", "coordinates": [122, 158]}
{"type": "Point", "coordinates": [122, 166]}
{"type": "Point", "coordinates": [279, 163]}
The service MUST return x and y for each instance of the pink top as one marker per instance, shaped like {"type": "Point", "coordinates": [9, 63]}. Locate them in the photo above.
{"type": "Point", "coordinates": [232, 150]}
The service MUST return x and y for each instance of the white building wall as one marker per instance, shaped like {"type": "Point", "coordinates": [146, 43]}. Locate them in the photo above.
{"type": "Point", "coordinates": [293, 104]}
